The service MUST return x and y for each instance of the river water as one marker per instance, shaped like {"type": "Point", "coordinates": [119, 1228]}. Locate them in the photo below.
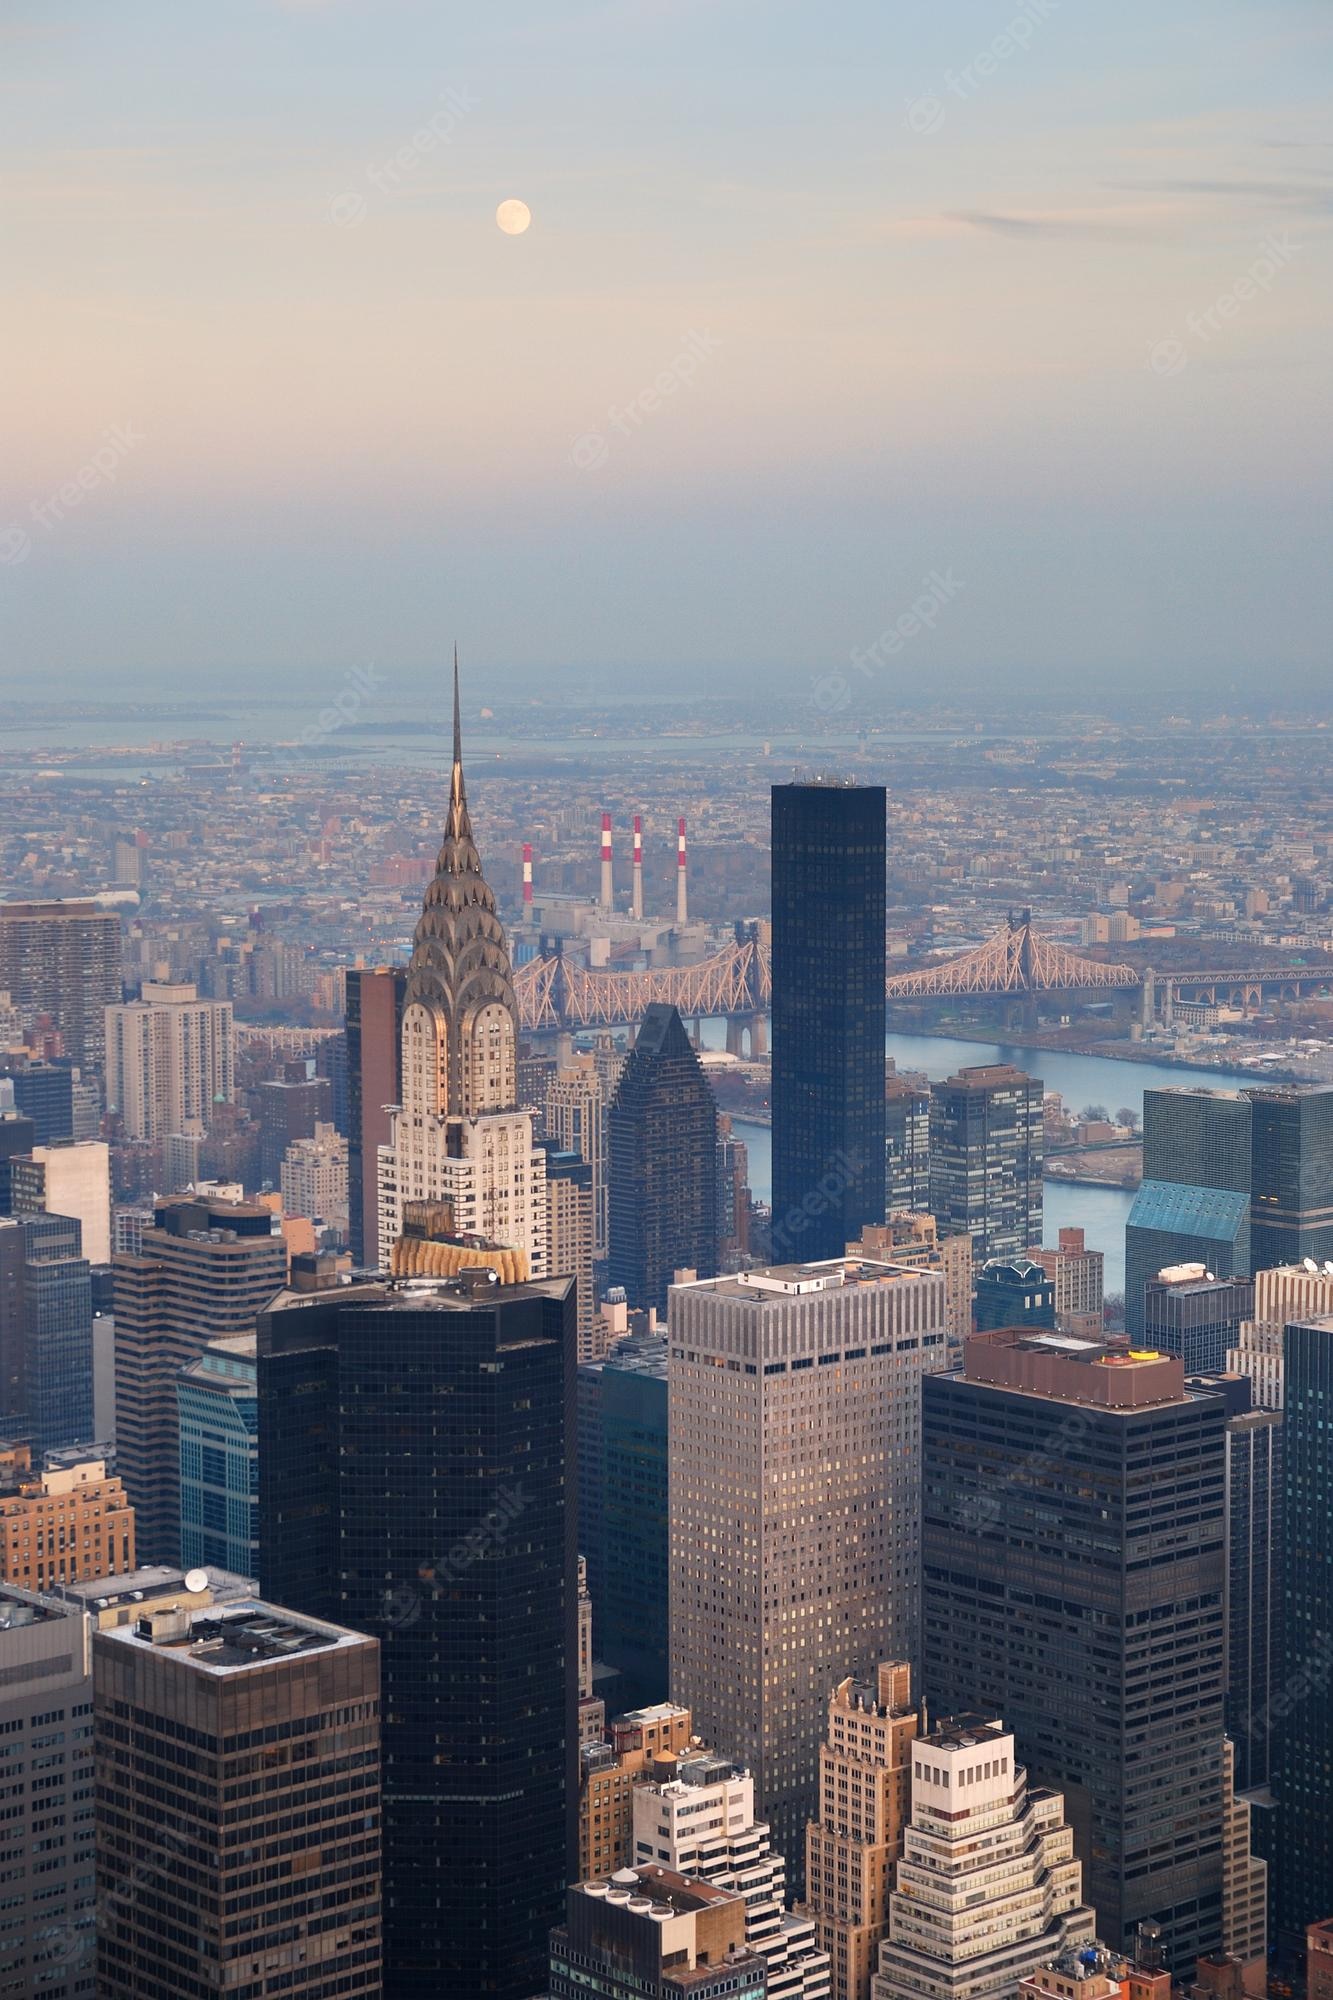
{"type": "Point", "coordinates": [1081, 1080]}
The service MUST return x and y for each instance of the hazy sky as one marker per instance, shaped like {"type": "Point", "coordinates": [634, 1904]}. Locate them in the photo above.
{"type": "Point", "coordinates": [816, 300]}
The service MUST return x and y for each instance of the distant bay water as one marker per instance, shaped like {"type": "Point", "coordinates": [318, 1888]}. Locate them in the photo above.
{"type": "Point", "coordinates": [1081, 1080]}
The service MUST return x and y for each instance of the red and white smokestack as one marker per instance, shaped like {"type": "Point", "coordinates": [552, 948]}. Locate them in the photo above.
{"type": "Point", "coordinates": [527, 881]}
{"type": "Point", "coordinates": [636, 899]}
{"type": "Point", "coordinates": [606, 898]}
{"type": "Point", "coordinates": [682, 901]}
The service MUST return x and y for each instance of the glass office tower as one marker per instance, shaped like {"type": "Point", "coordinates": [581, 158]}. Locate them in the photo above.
{"type": "Point", "coordinates": [828, 1017]}
{"type": "Point", "coordinates": [415, 1481]}
{"type": "Point", "coordinates": [1300, 1715]}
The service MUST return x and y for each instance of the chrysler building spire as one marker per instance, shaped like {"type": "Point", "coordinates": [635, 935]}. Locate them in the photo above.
{"type": "Point", "coordinates": [460, 960]}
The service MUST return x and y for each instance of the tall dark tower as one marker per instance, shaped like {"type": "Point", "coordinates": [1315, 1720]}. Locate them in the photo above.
{"type": "Point", "coordinates": [661, 1135]}
{"type": "Point", "coordinates": [1299, 1715]}
{"type": "Point", "coordinates": [416, 1481]}
{"type": "Point", "coordinates": [828, 1017]}
{"type": "Point", "coordinates": [1073, 1519]}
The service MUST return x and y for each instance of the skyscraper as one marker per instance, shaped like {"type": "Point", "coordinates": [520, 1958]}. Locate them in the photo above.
{"type": "Point", "coordinates": [1194, 1203]}
{"type": "Point", "coordinates": [988, 1887]}
{"type": "Point", "coordinates": [795, 1411]}
{"type": "Point", "coordinates": [1254, 1573]}
{"type": "Point", "coordinates": [63, 1524]}
{"type": "Point", "coordinates": [168, 1059]}
{"type": "Point", "coordinates": [574, 1110]}
{"type": "Point", "coordinates": [62, 958]}
{"type": "Point", "coordinates": [374, 1083]}
{"type": "Point", "coordinates": [700, 1822]}
{"type": "Point", "coordinates": [907, 1129]}
{"type": "Point", "coordinates": [1188, 1312]}
{"type": "Point", "coordinates": [458, 1137]}
{"type": "Point", "coordinates": [414, 1482]}
{"type": "Point", "coordinates": [828, 960]}
{"type": "Point", "coordinates": [18, 1135]}
{"type": "Point", "coordinates": [569, 1215]}
{"type": "Point", "coordinates": [205, 1268]}
{"type": "Point", "coordinates": [218, 1419]}
{"type": "Point", "coordinates": [1303, 1716]}
{"type": "Point", "coordinates": [57, 1333]}
{"type": "Point", "coordinates": [249, 1862]}
{"type": "Point", "coordinates": [46, 1726]}
{"type": "Point", "coordinates": [662, 1163]}
{"type": "Point", "coordinates": [987, 1141]}
{"type": "Point", "coordinates": [1073, 1528]}
{"type": "Point", "coordinates": [623, 1513]}
{"type": "Point", "coordinates": [1291, 1174]}
{"type": "Point", "coordinates": [1014, 1291]}
{"type": "Point", "coordinates": [865, 1764]}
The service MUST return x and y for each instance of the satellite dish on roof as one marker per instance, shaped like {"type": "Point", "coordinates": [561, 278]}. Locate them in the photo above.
{"type": "Point", "coordinates": [1311, 1266]}
{"type": "Point", "coordinates": [196, 1580]}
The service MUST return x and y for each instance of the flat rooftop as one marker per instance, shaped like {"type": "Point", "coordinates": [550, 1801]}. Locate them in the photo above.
{"type": "Point", "coordinates": [159, 1580]}
{"type": "Point", "coordinates": [770, 1284]}
{"type": "Point", "coordinates": [1038, 1363]}
{"type": "Point", "coordinates": [24, 1607]}
{"type": "Point", "coordinates": [231, 1638]}
{"type": "Point", "coordinates": [963, 1732]}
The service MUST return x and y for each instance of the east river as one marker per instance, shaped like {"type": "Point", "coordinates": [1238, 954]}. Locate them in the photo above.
{"type": "Point", "coordinates": [1081, 1080]}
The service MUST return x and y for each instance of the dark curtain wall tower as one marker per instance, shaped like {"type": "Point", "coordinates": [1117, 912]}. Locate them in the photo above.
{"type": "Point", "coordinates": [661, 1133]}
{"type": "Point", "coordinates": [828, 1017]}
{"type": "Point", "coordinates": [416, 1482]}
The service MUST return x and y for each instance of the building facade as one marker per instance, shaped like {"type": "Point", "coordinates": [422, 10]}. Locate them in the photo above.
{"type": "Point", "coordinates": [1014, 1291]}
{"type": "Point", "coordinates": [828, 962]}
{"type": "Point", "coordinates": [1190, 1313]}
{"type": "Point", "coordinates": [907, 1134]}
{"type": "Point", "coordinates": [624, 1524]}
{"type": "Point", "coordinates": [701, 1823]}
{"type": "Point", "coordinates": [1080, 1284]}
{"type": "Point", "coordinates": [1304, 1724]}
{"type": "Point", "coordinates": [413, 1481]}
{"type": "Point", "coordinates": [57, 1316]}
{"type": "Point", "coordinates": [62, 1524]}
{"type": "Point", "coordinates": [169, 1059]}
{"type": "Point", "coordinates": [1291, 1177]}
{"type": "Point", "coordinates": [851, 1849]}
{"type": "Point", "coordinates": [374, 1001]}
{"type": "Point", "coordinates": [1074, 1561]}
{"type": "Point", "coordinates": [662, 1164]}
{"type": "Point", "coordinates": [649, 1931]}
{"type": "Point", "coordinates": [184, 1912]}
{"type": "Point", "coordinates": [314, 1178]}
{"type": "Point", "coordinates": [206, 1268]}
{"type": "Point", "coordinates": [47, 1884]}
{"type": "Point", "coordinates": [645, 1743]}
{"type": "Point", "coordinates": [569, 1228]}
{"type": "Point", "coordinates": [63, 959]}
{"type": "Point", "coordinates": [794, 1400]}
{"type": "Point", "coordinates": [988, 1887]}
{"type": "Point", "coordinates": [987, 1145]}
{"type": "Point", "coordinates": [574, 1113]}
{"type": "Point", "coordinates": [217, 1415]}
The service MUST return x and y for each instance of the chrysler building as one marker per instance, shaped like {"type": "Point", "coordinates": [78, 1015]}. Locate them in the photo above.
{"type": "Point", "coordinates": [459, 1141]}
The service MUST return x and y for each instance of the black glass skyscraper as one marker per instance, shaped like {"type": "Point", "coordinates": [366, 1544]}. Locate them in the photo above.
{"type": "Point", "coordinates": [1291, 1176]}
{"type": "Point", "coordinates": [1073, 1528]}
{"type": "Point", "coordinates": [661, 1140]}
{"type": "Point", "coordinates": [1300, 1715]}
{"type": "Point", "coordinates": [416, 1453]}
{"type": "Point", "coordinates": [828, 1017]}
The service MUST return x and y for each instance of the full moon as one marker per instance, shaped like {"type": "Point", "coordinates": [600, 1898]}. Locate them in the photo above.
{"type": "Point", "coordinates": [513, 217]}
